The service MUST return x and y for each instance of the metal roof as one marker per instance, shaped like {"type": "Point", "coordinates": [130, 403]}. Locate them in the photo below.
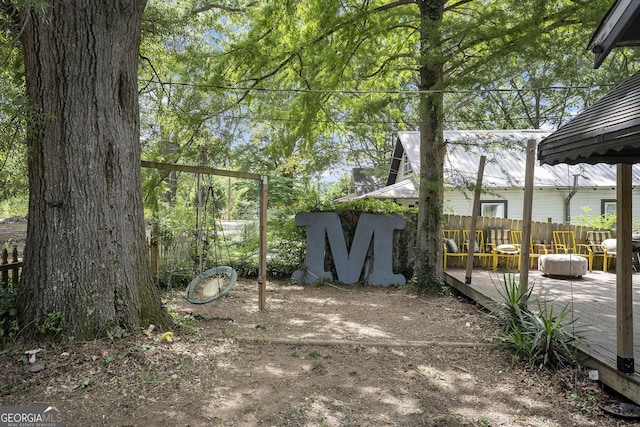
{"type": "Point", "coordinates": [505, 151]}
{"type": "Point", "coordinates": [405, 189]}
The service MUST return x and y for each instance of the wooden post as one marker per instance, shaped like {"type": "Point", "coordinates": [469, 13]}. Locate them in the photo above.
{"type": "Point", "coordinates": [5, 273]}
{"type": "Point", "coordinates": [474, 220]}
{"type": "Point", "coordinates": [154, 249]}
{"type": "Point", "coordinates": [262, 274]}
{"type": "Point", "coordinates": [526, 216]}
{"type": "Point", "coordinates": [15, 273]}
{"type": "Point", "coordinates": [624, 284]}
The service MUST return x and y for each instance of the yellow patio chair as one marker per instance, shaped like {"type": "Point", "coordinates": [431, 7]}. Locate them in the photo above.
{"type": "Point", "coordinates": [535, 249]}
{"type": "Point", "coordinates": [481, 251]}
{"type": "Point", "coordinates": [594, 240]}
{"type": "Point", "coordinates": [499, 242]}
{"type": "Point", "coordinates": [609, 251]}
{"type": "Point", "coordinates": [564, 242]}
{"type": "Point", "coordinates": [452, 247]}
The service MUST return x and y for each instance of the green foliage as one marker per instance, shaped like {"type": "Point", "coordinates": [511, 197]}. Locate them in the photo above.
{"type": "Point", "coordinates": [184, 323]}
{"type": "Point", "coordinates": [513, 302]}
{"type": "Point", "coordinates": [245, 267]}
{"type": "Point", "coordinates": [318, 368]}
{"type": "Point", "coordinates": [366, 205]}
{"type": "Point", "coordinates": [14, 206]}
{"type": "Point", "coordinates": [543, 337]}
{"type": "Point", "coordinates": [287, 241]}
{"type": "Point", "coordinates": [283, 266]}
{"type": "Point", "coordinates": [607, 222]}
{"type": "Point", "coordinates": [245, 209]}
{"type": "Point", "coordinates": [282, 191]}
{"type": "Point", "coordinates": [187, 225]}
{"type": "Point", "coordinates": [337, 189]}
{"type": "Point", "coordinates": [13, 116]}
{"type": "Point", "coordinates": [52, 325]}
{"type": "Point", "coordinates": [8, 313]}
{"type": "Point", "coordinates": [295, 88]}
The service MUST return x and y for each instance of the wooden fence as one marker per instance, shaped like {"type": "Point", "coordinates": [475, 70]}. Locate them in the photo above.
{"type": "Point", "coordinates": [10, 268]}
{"type": "Point", "coordinates": [541, 232]}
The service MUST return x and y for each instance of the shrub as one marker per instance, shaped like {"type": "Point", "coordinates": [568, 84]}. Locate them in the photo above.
{"type": "Point", "coordinates": [8, 313]}
{"type": "Point", "coordinates": [542, 337]}
{"type": "Point", "coordinates": [52, 325]}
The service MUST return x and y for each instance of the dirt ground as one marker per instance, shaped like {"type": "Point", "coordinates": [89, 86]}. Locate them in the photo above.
{"type": "Point", "coordinates": [233, 365]}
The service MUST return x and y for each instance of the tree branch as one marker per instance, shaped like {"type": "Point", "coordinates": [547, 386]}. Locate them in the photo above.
{"type": "Point", "coordinates": [223, 7]}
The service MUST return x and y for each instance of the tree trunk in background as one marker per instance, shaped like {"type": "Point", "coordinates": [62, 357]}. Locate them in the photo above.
{"type": "Point", "coordinates": [432, 147]}
{"type": "Point", "coordinates": [86, 255]}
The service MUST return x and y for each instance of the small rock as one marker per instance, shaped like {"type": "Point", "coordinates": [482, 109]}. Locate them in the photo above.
{"type": "Point", "coordinates": [36, 367]}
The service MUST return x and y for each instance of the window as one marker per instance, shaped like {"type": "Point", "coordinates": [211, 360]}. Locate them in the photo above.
{"type": "Point", "coordinates": [493, 208]}
{"type": "Point", "coordinates": [407, 166]}
{"type": "Point", "coordinates": [608, 208]}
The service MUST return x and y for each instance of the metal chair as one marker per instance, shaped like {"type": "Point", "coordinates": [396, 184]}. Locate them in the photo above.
{"type": "Point", "coordinates": [452, 247]}
{"type": "Point", "coordinates": [499, 241]}
{"type": "Point", "coordinates": [480, 250]}
{"type": "Point", "coordinates": [595, 239]}
{"type": "Point", "coordinates": [535, 249]}
{"type": "Point", "coordinates": [609, 252]}
{"type": "Point", "coordinates": [564, 242]}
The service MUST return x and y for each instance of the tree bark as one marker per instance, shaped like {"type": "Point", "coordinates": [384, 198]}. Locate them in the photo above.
{"type": "Point", "coordinates": [86, 254]}
{"type": "Point", "coordinates": [432, 147]}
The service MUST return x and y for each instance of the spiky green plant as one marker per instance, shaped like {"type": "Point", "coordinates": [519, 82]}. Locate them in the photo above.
{"type": "Point", "coordinates": [542, 337]}
{"type": "Point", "coordinates": [513, 303]}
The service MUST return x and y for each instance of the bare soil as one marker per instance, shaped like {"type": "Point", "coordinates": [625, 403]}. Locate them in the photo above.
{"type": "Point", "coordinates": [232, 365]}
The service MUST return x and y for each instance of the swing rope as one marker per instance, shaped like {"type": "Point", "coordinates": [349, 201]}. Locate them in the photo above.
{"type": "Point", "coordinates": [213, 283]}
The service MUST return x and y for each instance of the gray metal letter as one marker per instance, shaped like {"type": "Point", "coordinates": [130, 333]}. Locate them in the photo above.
{"type": "Point", "coordinates": [378, 228]}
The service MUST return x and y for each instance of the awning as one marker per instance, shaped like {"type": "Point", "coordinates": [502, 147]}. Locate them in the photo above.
{"type": "Point", "coordinates": [620, 27]}
{"type": "Point", "coordinates": [606, 132]}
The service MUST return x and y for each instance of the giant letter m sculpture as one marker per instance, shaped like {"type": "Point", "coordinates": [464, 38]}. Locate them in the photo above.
{"type": "Point", "coordinates": [349, 264]}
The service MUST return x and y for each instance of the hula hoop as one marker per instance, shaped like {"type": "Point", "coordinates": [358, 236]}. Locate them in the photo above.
{"type": "Point", "coordinates": [211, 285]}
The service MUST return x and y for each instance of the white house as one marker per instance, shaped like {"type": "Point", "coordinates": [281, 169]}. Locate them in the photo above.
{"type": "Point", "coordinates": [561, 191]}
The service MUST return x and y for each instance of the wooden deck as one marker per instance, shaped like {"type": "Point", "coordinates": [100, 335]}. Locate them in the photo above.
{"type": "Point", "coordinates": [593, 298]}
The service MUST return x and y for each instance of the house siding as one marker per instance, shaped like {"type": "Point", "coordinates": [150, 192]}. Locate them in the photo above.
{"type": "Point", "coordinates": [504, 176]}
{"type": "Point", "coordinates": [548, 204]}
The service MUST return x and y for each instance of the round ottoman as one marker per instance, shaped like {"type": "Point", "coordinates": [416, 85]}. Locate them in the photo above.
{"type": "Point", "coordinates": [563, 265]}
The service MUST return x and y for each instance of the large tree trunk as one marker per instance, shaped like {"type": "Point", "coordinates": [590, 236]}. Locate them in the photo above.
{"type": "Point", "coordinates": [86, 255]}
{"type": "Point", "coordinates": [432, 147]}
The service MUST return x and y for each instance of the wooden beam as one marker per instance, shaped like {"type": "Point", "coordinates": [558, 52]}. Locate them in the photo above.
{"type": "Point", "coordinates": [526, 216]}
{"type": "Point", "coordinates": [474, 220]}
{"type": "Point", "coordinates": [199, 169]}
{"type": "Point", "coordinates": [262, 274]}
{"type": "Point", "coordinates": [626, 385]}
{"type": "Point", "coordinates": [624, 284]}
{"type": "Point", "coordinates": [365, 343]}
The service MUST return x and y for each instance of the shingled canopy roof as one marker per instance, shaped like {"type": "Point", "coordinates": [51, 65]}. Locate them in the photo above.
{"type": "Point", "coordinates": [606, 132]}
{"type": "Point", "coordinates": [620, 27]}
{"type": "Point", "coordinates": [609, 130]}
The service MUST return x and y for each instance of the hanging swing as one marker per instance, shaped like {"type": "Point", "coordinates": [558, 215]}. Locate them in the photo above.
{"type": "Point", "coordinates": [211, 285]}
{"type": "Point", "coordinates": [215, 282]}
